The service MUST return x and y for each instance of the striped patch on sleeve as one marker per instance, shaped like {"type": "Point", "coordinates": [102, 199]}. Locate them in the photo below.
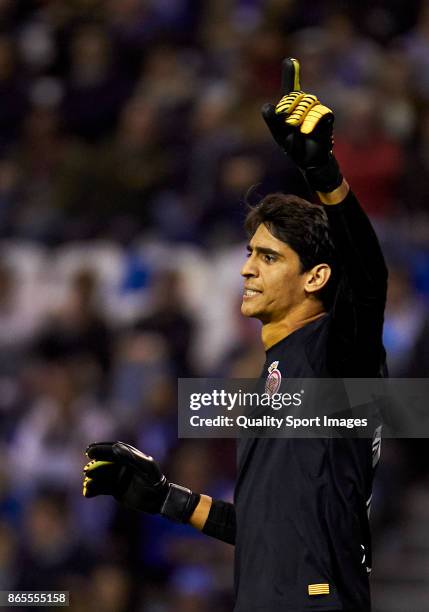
{"type": "Point", "coordinates": [318, 589]}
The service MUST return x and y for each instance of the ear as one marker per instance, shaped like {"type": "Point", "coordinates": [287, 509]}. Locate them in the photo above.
{"type": "Point", "coordinates": [317, 277]}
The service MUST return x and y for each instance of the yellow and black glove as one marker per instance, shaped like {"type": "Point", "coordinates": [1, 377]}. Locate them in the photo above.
{"type": "Point", "coordinates": [303, 128]}
{"type": "Point", "coordinates": [135, 480]}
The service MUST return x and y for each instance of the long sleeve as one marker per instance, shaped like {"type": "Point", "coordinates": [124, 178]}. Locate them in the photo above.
{"type": "Point", "coordinates": [221, 522]}
{"type": "Point", "coordinates": [358, 311]}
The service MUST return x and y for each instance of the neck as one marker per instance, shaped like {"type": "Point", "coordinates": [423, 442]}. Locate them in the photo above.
{"type": "Point", "coordinates": [274, 331]}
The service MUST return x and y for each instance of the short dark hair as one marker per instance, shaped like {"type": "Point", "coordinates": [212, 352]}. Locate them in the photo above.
{"type": "Point", "coordinates": [304, 227]}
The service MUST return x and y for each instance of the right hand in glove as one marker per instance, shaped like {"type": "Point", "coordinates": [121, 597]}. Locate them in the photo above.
{"type": "Point", "coordinates": [303, 128]}
{"type": "Point", "coordinates": [135, 479]}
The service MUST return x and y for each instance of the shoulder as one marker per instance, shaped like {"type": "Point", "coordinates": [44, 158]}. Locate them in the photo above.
{"type": "Point", "coordinates": [302, 354]}
{"type": "Point", "coordinates": [316, 344]}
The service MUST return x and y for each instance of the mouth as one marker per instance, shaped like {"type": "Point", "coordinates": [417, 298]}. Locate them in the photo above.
{"type": "Point", "coordinates": [249, 293]}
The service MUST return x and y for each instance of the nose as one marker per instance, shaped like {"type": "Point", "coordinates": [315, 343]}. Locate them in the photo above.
{"type": "Point", "coordinates": [249, 269]}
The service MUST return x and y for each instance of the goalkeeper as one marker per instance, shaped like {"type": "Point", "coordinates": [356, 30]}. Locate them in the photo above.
{"type": "Point", "coordinates": [316, 279]}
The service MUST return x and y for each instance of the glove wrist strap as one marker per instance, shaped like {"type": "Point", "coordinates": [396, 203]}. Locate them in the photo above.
{"type": "Point", "coordinates": [335, 197]}
{"type": "Point", "coordinates": [179, 503]}
{"type": "Point", "coordinates": [324, 178]}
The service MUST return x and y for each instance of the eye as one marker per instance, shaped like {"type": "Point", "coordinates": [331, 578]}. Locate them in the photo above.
{"type": "Point", "coordinates": [269, 258]}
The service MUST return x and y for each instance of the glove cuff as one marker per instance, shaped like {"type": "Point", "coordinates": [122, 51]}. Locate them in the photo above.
{"type": "Point", "coordinates": [179, 503]}
{"type": "Point", "coordinates": [324, 178]}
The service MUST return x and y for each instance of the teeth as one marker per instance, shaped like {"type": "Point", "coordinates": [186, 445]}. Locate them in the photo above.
{"type": "Point", "coordinates": [250, 292]}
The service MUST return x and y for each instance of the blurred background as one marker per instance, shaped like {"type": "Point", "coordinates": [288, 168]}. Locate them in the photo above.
{"type": "Point", "coordinates": [130, 134]}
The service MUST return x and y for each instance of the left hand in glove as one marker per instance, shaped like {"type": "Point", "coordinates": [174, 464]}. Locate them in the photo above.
{"type": "Point", "coordinates": [136, 480]}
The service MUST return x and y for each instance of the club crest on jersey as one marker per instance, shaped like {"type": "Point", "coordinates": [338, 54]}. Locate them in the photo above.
{"type": "Point", "coordinates": [274, 379]}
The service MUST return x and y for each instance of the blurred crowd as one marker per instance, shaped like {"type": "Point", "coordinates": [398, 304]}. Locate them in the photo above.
{"type": "Point", "coordinates": [130, 134]}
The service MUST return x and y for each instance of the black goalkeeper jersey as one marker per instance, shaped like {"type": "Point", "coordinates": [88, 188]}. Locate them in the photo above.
{"type": "Point", "coordinates": [300, 510]}
{"type": "Point", "coordinates": [302, 539]}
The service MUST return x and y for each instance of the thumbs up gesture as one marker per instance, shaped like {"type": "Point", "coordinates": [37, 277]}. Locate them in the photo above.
{"type": "Point", "coordinates": [303, 128]}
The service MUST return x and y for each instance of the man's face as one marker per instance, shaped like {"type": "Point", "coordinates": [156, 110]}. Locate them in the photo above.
{"type": "Point", "coordinates": [273, 282]}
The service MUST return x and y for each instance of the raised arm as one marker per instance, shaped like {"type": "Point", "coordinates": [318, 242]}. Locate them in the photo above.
{"type": "Point", "coordinates": [135, 480]}
{"type": "Point", "coordinates": [358, 312]}
{"type": "Point", "coordinates": [303, 128]}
